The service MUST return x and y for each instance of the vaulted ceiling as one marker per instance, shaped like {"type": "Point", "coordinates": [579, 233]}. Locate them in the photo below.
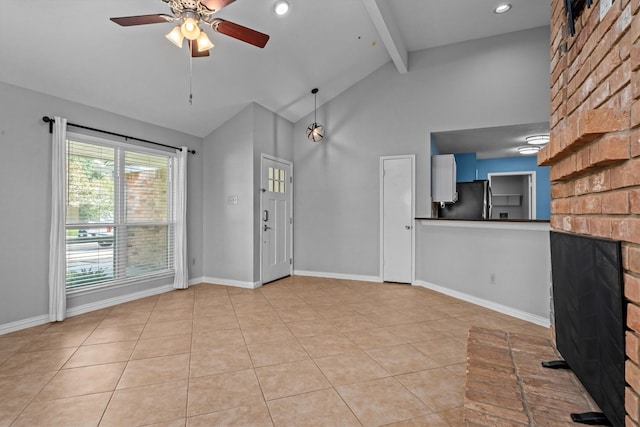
{"type": "Point", "coordinates": [70, 49]}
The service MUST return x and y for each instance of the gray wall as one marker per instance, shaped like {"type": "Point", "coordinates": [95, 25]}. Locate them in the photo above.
{"type": "Point", "coordinates": [511, 267]}
{"type": "Point", "coordinates": [25, 194]}
{"type": "Point", "coordinates": [232, 168]}
{"type": "Point", "coordinates": [272, 135]}
{"type": "Point", "coordinates": [497, 81]}
{"type": "Point", "coordinates": [228, 172]}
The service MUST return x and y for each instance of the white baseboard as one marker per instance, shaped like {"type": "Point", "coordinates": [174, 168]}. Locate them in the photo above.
{"type": "Point", "coordinates": [504, 309]}
{"type": "Point", "coordinates": [375, 279]}
{"type": "Point", "coordinates": [230, 282]}
{"type": "Point", "coordinates": [196, 280]}
{"type": "Point", "coordinates": [81, 309]}
{"type": "Point", "coordinates": [24, 324]}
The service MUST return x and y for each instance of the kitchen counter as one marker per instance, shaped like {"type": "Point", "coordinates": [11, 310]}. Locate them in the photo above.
{"type": "Point", "coordinates": [505, 224]}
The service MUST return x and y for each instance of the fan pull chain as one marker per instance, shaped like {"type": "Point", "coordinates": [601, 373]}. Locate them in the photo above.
{"type": "Point", "coordinates": [190, 75]}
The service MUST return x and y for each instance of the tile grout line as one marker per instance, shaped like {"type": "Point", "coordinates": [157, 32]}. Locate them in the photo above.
{"type": "Point", "coordinates": [264, 398]}
{"type": "Point", "coordinates": [193, 322]}
{"type": "Point", "coordinates": [520, 382]}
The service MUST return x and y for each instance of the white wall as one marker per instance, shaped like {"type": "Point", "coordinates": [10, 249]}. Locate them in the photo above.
{"type": "Point", "coordinates": [272, 135]}
{"type": "Point", "coordinates": [228, 228]}
{"type": "Point", "coordinates": [25, 195]}
{"type": "Point", "coordinates": [497, 81]}
{"type": "Point", "coordinates": [505, 264]}
{"type": "Point", "coordinates": [232, 168]}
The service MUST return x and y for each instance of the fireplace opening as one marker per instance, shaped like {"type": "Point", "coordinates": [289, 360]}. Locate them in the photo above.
{"type": "Point", "coordinates": [589, 316]}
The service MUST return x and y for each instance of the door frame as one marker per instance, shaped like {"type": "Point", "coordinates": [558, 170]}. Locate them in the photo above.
{"type": "Point", "coordinates": [412, 157]}
{"type": "Point", "coordinates": [534, 194]}
{"type": "Point", "coordinates": [263, 157]}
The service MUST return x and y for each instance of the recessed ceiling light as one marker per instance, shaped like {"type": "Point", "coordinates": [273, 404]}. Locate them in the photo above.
{"type": "Point", "coordinates": [531, 149]}
{"type": "Point", "coordinates": [503, 8]}
{"type": "Point", "coordinates": [281, 7]}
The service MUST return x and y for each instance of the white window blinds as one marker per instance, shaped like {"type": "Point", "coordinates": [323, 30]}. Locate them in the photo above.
{"type": "Point", "coordinates": [120, 219]}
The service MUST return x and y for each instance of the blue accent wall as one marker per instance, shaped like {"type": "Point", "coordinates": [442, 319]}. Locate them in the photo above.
{"type": "Point", "coordinates": [466, 165]}
{"type": "Point", "coordinates": [434, 149]}
{"type": "Point", "coordinates": [522, 164]}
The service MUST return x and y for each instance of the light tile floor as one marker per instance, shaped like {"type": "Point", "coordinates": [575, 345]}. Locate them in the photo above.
{"type": "Point", "coordinates": [302, 351]}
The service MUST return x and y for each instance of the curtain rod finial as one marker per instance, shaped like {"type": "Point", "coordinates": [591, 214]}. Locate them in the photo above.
{"type": "Point", "coordinates": [49, 120]}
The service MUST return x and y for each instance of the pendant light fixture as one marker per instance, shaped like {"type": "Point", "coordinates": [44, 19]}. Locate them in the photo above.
{"type": "Point", "coordinates": [315, 131]}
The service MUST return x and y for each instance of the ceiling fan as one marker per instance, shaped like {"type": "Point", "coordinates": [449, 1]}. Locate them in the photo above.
{"type": "Point", "coordinates": [189, 14]}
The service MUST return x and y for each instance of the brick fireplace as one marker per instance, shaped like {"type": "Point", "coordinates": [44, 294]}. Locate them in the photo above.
{"type": "Point", "coordinates": [594, 152]}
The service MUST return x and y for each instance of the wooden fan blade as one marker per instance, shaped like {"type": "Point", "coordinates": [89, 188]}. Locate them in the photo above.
{"type": "Point", "coordinates": [216, 5]}
{"type": "Point", "coordinates": [194, 50]}
{"type": "Point", "coordinates": [127, 21]}
{"type": "Point", "coordinates": [239, 32]}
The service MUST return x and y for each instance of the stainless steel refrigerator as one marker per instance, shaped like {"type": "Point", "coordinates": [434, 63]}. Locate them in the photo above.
{"type": "Point", "coordinates": [474, 202]}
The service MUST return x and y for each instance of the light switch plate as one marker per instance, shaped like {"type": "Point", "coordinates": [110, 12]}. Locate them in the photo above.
{"type": "Point", "coordinates": [232, 200]}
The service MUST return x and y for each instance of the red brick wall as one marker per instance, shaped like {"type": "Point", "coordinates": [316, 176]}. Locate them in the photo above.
{"type": "Point", "coordinates": [594, 152]}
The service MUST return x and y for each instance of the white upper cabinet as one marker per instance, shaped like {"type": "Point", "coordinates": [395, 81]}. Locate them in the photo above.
{"type": "Point", "coordinates": [443, 178]}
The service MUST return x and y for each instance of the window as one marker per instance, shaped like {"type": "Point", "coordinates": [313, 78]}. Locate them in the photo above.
{"type": "Point", "coordinates": [276, 180]}
{"type": "Point", "coordinates": [119, 219]}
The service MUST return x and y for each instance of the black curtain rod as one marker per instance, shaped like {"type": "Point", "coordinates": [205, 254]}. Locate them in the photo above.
{"type": "Point", "coordinates": [51, 121]}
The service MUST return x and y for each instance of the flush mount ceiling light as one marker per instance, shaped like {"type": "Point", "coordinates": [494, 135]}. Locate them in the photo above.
{"type": "Point", "coordinates": [315, 131]}
{"type": "Point", "coordinates": [537, 139]}
{"type": "Point", "coordinates": [530, 149]}
{"type": "Point", "coordinates": [502, 8]}
{"type": "Point", "coordinates": [281, 7]}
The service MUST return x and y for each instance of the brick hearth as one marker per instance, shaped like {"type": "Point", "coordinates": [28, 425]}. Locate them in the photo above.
{"type": "Point", "coordinates": [507, 386]}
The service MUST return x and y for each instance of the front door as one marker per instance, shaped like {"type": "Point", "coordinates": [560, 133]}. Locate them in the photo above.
{"type": "Point", "coordinates": [397, 218]}
{"type": "Point", "coordinates": [276, 218]}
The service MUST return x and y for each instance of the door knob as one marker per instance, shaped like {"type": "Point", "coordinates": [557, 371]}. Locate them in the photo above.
{"type": "Point", "coordinates": [266, 227]}
{"type": "Point", "coordinates": [408, 227]}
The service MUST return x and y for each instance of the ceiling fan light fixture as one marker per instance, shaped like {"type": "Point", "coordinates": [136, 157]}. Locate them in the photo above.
{"type": "Point", "coordinates": [203, 42]}
{"type": "Point", "coordinates": [281, 7]}
{"type": "Point", "coordinates": [175, 36]}
{"type": "Point", "coordinates": [190, 29]}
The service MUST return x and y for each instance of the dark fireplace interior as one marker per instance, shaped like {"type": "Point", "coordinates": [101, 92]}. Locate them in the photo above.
{"type": "Point", "coordinates": [589, 316]}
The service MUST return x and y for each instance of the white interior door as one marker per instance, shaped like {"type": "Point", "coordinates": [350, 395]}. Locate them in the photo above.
{"type": "Point", "coordinates": [397, 218]}
{"type": "Point", "coordinates": [276, 219]}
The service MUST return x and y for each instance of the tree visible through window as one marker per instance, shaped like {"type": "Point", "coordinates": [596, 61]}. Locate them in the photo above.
{"type": "Point", "coordinates": [119, 217]}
